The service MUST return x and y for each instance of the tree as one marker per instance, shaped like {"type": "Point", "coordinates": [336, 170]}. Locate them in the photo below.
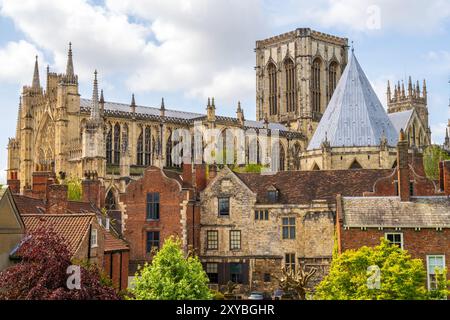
{"type": "Point", "coordinates": [431, 157]}
{"type": "Point", "coordinates": [74, 189]}
{"type": "Point", "coordinates": [297, 282]}
{"type": "Point", "coordinates": [441, 292]}
{"type": "Point", "coordinates": [351, 275]}
{"type": "Point", "coordinates": [171, 276]}
{"type": "Point", "coordinates": [42, 274]}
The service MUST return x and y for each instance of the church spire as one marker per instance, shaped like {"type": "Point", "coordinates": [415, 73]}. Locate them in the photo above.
{"type": "Point", "coordinates": [389, 91]}
{"type": "Point", "coordinates": [162, 109]}
{"type": "Point", "coordinates": [36, 83]}
{"type": "Point", "coordinates": [133, 104]}
{"type": "Point", "coordinates": [69, 67]}
{"type": "Point", "coordinates": [95, 112]}
{"type": "Point", "coordinates": [410, 88]}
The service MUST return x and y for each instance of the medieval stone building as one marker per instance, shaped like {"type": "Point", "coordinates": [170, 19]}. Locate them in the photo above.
{"type": "Point", "coordinates": [60, 132]}
{"type": "Point", "coordinates": [296, 75]}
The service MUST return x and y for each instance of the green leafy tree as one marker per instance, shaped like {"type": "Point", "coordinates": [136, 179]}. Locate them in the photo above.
{"type": "Point", "coordinates": [441, 292]}
{"type": "Point", "coordinates": [400, 276]}
{"type": "Point", "coordinates": [171, 276]}
{"type": "Point", "coordinates": [431, 158]}
{"type": "Point", "coordinates": [74, 189]}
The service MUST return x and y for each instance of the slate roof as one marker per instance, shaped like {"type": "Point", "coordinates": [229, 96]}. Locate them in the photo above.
{"type": "Point", "coordinates": [173, 115]}
{"type": "Point", "coordinates": [72, 227]}
{"type": "Point", "coordinates": [423, 212]}
{"type": "Point", "coordinates": [301, 187]}
{"type": "Point", "coordinates": [354, 116]}
{"type": "Point", "coordinates": [400, 119]}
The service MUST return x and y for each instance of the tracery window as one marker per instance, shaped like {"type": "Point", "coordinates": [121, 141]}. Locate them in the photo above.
{"type": "Point", "coordinates": [291, 93]}
{"type": "Point", "coordinates": [315, 85]}
{"type": "Point", "coordinates": [272, 71]}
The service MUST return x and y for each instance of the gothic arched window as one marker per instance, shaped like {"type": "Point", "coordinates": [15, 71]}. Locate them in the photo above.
{"type": "Point", "coordinates": [169, 162]}
{"type": "Point", "coordinates": [272, 71]}
{"type": "Point", "coordinates": [116, 159]}
{"type": "Point", "coordinates": [332, 79]}
{"type": "Point", "coordinates": [148, 150]}
{"type": "Point", "coordinates": [140, 150]}
{"type": "Point", "coordinates": [282, 158]}
{"type": "Point", "coordinates": [109, 147]}
{"type": "Point", "coordinates": [291, 92]}
{"type": "Point", "coordinates": [315, 85]}
{"type": "Point", "coordinates": [110, 201]}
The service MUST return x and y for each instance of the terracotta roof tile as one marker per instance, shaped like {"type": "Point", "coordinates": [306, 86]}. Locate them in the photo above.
{"type": "Point", "coordinates": [28, 205]}
{"type": "Point", "coordinates": [301, 187]}
{"type": "Point", "coordinates": [114, 244]}
{"type": "Point", "coordinates": [72, 227]}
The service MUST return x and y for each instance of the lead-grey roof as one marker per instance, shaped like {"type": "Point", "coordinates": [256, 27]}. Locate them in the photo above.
{"type": "Point", "coordinates": [400, 119]}
{"type": "Point", "coordinates": [420, 212]}
{"type": "Point", "coordinates": [152, 111]}
{"type": "Point", "coordinates": [354, 116]}
{"type": "Point", "coordinates": [114, 106]}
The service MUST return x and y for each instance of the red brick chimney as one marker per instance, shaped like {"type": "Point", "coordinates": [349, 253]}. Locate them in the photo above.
{"type": "Point", "coordinates": [56, 199]}
{"type": "Point", "coordinates": [92, 190]}
{"type": "Point", "coordinates": [444, 175]}
{"type": "Point", "coordinates": [403, 170]}
{"type": "Point", "coordinates": [200, 177]}
{"type": "Point", "coordinates": [40, 182]}
{"type": "Point", "coordinates": [187, 173]}
{"type": "Point", "coordinates": [14, 185]}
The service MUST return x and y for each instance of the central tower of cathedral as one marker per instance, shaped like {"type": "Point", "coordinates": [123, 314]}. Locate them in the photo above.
{"type": "Point", "coordinates": [296, 74]}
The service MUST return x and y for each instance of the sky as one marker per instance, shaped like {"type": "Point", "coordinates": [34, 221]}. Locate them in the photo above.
{"type": "Point", "coordinates": [189, 50]}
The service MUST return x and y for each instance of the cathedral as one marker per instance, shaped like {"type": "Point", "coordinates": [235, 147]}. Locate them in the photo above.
{"type": "Point", "coordinates": [309, 88]}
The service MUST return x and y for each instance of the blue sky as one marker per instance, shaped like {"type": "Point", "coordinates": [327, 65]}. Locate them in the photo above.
{"type": "Point", "coordinates": [188, 50]}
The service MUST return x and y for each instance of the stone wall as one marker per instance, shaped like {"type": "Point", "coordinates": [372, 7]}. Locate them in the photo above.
{"type": "Point", "coordinates": [261, 240]}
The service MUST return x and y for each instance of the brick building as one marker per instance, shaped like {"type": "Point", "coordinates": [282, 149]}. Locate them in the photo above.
{"type": "Point", "coordinates": [159, 205]}
{"type": "Point", "coordinates": [405, 208]}
{"type": "Point", "coordinates": [89, 234]}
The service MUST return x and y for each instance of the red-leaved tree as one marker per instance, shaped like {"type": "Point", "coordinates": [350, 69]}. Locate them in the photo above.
{"type": "Point", "coordinates": [41, 273]}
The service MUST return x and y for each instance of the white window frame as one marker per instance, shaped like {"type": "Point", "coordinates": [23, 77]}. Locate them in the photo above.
{"type": "Point", "coordinates": [94, 238]}
{"type": "Point", "coordinates": [395, 233]}
{"type": "Point", "coordinates": [428, 266]}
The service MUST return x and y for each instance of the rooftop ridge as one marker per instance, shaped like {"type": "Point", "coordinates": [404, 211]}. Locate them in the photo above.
{"type": "Point", "coordinates": [354, 116]}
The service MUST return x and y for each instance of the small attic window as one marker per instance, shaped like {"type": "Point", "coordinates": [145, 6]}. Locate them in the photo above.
{"type": "Point", "coordinates": [272, 194]}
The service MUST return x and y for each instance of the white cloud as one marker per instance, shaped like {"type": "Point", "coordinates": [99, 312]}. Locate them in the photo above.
{"type": "Point", "coordinates": [151, 45]}
{"type": "Point", "coordinates": [438, 132]}
{"type": "Point", "coordinates": [16, 59]}
{"type": "Point", "coordinates": [410, 16]}
{"type": "Point", "coordinates": [380, 87]}
{"type": "Point", "coordinates": [231, 84]}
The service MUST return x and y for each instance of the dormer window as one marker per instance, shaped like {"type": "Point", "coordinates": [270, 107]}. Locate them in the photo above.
{"type": "Point", "coordinates": [272, 194]}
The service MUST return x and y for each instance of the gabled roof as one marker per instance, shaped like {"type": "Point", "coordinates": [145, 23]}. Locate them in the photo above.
{"type": "Point", "coordinates": [420, 212]}
{"type": "Point", "coordinates": [302, 187]}
{"type": "Point", "coordinates": [114, 244]}
{"type": "Point", "coordinates": [354, 116]}
{"type": "Point", "coordinates": [400, 119]}
{"type": "Point", "coordinates": [72, 227]}
{"type": "Point", "coordinates": [13, 222]}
